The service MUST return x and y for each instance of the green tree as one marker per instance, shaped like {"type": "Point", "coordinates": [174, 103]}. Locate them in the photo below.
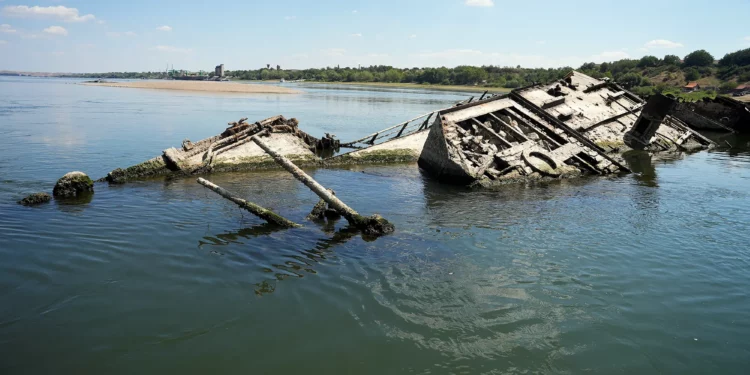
{"type": "Point", "coordinates": [671, 60]}
{"type": "Point", "coordinates": [393, 75]}
{"type": "Point", "coordinates": [739, 58]}
{"type": "Point", "coordinates": [648, 61]}
{"type": "Point", "coordinates": [699, 58]}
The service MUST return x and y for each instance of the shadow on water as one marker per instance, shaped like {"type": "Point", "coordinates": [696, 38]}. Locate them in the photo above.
{"type": "Point", "coordinates": [732, 144]}
{"type": "Point", "coordinates": [302, 261]}
{"type": "Point", "coordinates": [74, 204]}
{"type": "Point", "coordinates": [642, 166]}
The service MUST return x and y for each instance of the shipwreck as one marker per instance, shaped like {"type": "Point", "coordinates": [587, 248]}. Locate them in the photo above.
{"type": "Point", "coordinates": [717, 115]}
{"type": "Point", "coordinates": [575, 126]}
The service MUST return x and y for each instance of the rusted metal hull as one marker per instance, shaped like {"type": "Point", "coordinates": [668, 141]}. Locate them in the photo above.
{"type": "Point", "coordinates": [720, 114]}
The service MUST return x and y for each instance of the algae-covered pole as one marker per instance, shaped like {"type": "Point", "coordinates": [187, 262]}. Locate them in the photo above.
{"type": "Point", "coordinates": [256, 210]}
{"type": "Point", "coordinates": [374, 225]}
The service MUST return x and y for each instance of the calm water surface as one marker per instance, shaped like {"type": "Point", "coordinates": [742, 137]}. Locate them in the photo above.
{"type": "Point", "coordinates": [647, 273]}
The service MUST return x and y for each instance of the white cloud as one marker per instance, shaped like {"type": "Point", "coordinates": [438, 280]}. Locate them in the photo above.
{"type": "Point", "coordinates": [541, 42]}
{"type": "Point", "coordinates": [357, 35]}
{"type": "Point", "coordinates": [480, 3]}
{"type": "Point", "coordinates": [334, 52]}
{"type": "Point", "coordinates": [2, 42]}
{"type": "Point", "coordinates": [172, 49]}
{"type": "Point", "coordinates": [101, 22]}
{"type": "Point", "coordinates": [5, 28]}
{"type": "Point", "coordinates": [747, 39]}
{"type": "Point", "coordinates": [662, 44]}
{"type": "Point", "coordinates": [56, 30]}
{"type": "Point", "coordinates": [289, 18]}
{"type": "Point", "coordinates": [608, 56]}
{"type": "Point", "coordinates": [355, 11]}
{"type": "Point", "coordinates": [164, 28]}
{"type": "Point", "coordinates": [117, 34]}
{"type": "Point", "coordinates": [58, 12]}
{"type": "Point", "coordinates": [412, 36]}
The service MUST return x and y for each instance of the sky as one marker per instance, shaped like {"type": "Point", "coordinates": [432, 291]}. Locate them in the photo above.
{"type": "Point", "coordinates": [139, 35]}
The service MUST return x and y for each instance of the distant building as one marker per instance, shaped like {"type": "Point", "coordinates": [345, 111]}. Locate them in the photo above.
{"type": "Point", "coordinates": [219, 70]}
{"type": "Point", "coordinates": [692, 86]}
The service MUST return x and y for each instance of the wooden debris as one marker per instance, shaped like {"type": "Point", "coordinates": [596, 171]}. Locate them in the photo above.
{"type": "Point", "coordinates": [372, 225]}
{"type": "Point", "coordinates": [256, 210]}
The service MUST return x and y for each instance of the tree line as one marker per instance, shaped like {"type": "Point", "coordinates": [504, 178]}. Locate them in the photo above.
{"type": "Point", "coordinates": [645, 76]}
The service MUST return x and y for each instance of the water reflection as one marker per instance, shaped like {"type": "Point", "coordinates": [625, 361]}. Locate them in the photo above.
{"type": "Point", "coordinates": [640, 163]}
{"type": "Point", "coordinates": [298, 262]}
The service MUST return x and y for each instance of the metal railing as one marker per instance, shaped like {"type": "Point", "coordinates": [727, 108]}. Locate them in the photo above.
{"type": "Point", "coordinates": [403, 129]}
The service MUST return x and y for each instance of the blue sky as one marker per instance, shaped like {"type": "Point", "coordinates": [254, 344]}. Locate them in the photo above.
{"type": "Point", "coordinates": [139, 35]}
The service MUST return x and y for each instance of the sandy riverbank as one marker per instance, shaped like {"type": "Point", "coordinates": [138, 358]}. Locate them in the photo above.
{"type": "Point", "coordinates": [224, 87]}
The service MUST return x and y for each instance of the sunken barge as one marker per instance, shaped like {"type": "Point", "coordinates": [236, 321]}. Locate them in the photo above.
{"type": "Point", "coordinates": [576, 126]}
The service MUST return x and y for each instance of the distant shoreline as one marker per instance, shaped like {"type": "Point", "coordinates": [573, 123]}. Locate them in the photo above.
{"type": "Point", "coordinates": [407, 85]}
{"type": "Point", "coordinates": [204, 86]}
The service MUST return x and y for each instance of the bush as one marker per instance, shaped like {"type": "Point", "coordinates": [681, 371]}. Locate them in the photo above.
{"type": "Point", "coordinates": [692, 74]}
{"type": "Point", "coordinates": [727, 86]}
{"type": "Point", "coordinates": [644, 91]}
{"type": "Point", "coordinates": [630, 80]}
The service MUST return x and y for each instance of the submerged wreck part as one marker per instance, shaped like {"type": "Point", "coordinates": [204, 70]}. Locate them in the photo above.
{"type": "Point", "coordinates": [73, 184]}
{"type": "Point", "coordinates": [499, 141]}
{"type": "Point", "coordinates": [323, 210]}
{"type": "Point", "coordinates": [721, 114]}
{"type": "Point", "coordinates": [253, 208]}
{"type": "Point", "coordinates": [229, 151]}
{"type": "Point", "coordinates": [400, 143]}
{"type": "Point", "coordinates": [653, 114]}
{"type": "Point", "coordinates": [35, 199]}
{"type": "Point", "coordinates": [602, 112]}
{"type": "Point", "coordinates": [563, 129]}
{"type": "Point", "coordinates": [374, 225]}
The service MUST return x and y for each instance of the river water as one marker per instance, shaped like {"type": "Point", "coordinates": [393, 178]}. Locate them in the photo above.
{"type": "Point", "coordinates": [646, 273]}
